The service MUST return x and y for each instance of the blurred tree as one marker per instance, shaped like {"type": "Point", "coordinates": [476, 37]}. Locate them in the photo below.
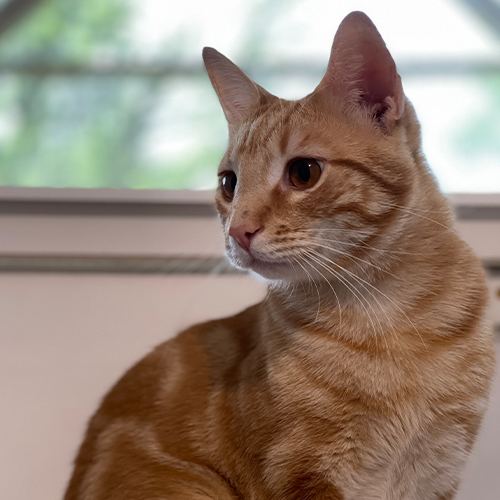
{"type": "Point", "coordinates": [62, 130]}
{"type": "Point", "coordinates": [72, 130]}
{"type": "Point", "coordinates": [479, 136]}
{"type": "Point", "coordinates": [66, 121]}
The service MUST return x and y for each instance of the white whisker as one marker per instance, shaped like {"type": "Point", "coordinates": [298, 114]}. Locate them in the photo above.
{"type": "Point", "coordinates": [424, 210]}
{"type": "Point", "coordinates": [412, 212]}
{"type": "Point", "coordinates": [316, 286]}
{"type": "Point", "coordinates": [350, 287]}
{"type": "Point", "coordinates": [293, 282]}
{"type": "Point", "coordinates": [317, 243]}
{"type": "Point", "coordinates": [334, 292]}
{"type": "Point", "coordinates": [360, 281]}
{"type": "Point", "coordinates": [363, 244]}
{"type": "Point", "coordinates": [384, 295]}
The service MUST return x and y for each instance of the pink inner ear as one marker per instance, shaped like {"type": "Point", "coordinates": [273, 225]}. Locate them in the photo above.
{"type": "Point", "coordinates": [235, 90]}
{"type": "Point", "coordinates": [378, 77]}
{"type": "Point", "coordinates": [361, 64]}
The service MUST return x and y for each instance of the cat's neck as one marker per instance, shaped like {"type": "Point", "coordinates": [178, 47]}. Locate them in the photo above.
{"type": "Point", "coordinates": [338, 308]}
{"type": "Point", "coordinates": [376, 298]}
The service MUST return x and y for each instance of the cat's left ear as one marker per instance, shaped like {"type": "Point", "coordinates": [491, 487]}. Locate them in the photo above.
{"type": "Point", "coordinates": [236, 92]}
{"type": "Point", "coordinates": [362, 71]}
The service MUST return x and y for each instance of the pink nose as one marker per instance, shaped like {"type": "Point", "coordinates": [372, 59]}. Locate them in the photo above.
{"type": "Point", "coordinates": [243, 234]}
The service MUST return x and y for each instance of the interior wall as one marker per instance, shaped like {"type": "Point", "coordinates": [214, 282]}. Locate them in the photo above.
{"type": "Point", "coordinates": [66, 338]}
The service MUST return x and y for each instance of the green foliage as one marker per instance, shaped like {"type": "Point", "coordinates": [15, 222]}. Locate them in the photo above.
{"type": "Point", "coordinates": [85, 131]}
{"type": "Point", "coordinates": [69, 31]}
{"type": "Point", "coordinates": [480, 135]}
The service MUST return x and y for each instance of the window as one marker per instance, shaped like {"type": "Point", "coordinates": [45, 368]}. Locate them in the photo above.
{"type": "Point", "coordinates": [112, 93]}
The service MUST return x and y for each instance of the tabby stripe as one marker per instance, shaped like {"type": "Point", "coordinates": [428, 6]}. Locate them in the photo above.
{"type": "Point", "coordinates": [273, 127]}
{"type": "Point", "coordinates": [248, 140]}
{"type": "Point", "coordinates": [243, 140]}
{"type": "Point", "coordinates": [252, 142]}
{"type": "Point", "coordinates": [268, 132]}
{"type": "Point", "coordinates": [448, 496]}
{"type": "Point", "coordinates": [394, 189]}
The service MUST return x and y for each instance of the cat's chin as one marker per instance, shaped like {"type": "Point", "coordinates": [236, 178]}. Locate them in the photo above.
{"type": "Point", "coordinates": [281, 271]}
{"type": "Point", "coordinates": [272, 270]}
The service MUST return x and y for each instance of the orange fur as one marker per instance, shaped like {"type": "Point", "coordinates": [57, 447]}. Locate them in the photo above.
{"type": "Point", "coordinates": [366, 371]}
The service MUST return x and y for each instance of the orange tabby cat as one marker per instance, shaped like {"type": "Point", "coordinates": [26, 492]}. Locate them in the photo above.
{"type": "Point", "coordinates": [365, 373]}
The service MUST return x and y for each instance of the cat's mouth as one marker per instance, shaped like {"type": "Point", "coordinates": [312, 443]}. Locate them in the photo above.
{"type": "Point", "coordinates": [271, 268]}
{"type": "Point", "coordinates": [281, 270]}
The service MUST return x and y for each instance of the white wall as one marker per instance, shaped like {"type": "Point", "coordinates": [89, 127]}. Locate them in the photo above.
{"type": "Point", "coordinates": [65, 339]}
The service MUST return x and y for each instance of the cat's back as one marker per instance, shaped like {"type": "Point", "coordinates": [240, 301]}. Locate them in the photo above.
{"type": "Point", "coordinates": [163, 401]}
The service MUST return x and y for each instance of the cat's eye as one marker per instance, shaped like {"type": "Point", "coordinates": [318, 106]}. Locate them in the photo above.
{"type": "Point", "coordinates": [304, 173]}
{"type": "Point", "coordinates": [228, 185]}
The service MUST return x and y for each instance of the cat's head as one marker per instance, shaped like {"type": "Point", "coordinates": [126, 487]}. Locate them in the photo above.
{"type": "Point", "coordinates": [312, 184]}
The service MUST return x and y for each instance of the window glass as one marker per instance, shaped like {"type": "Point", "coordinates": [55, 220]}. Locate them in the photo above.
{"type": "Point", "coordinates": [112, 93]}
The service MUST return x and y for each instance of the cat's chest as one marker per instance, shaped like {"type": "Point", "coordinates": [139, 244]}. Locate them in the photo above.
{"type": "Point", "coordinates": [350, 416]}
{"type": "Point", "coordinates": [332, 376]}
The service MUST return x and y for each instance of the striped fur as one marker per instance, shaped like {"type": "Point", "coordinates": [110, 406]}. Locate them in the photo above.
{"type": "Point", "coordinates": [365, 373]}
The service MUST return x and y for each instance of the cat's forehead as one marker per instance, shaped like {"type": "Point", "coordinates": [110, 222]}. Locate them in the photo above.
{"type": "Point", "coordinates": [270, 137]}
{"type": "Point", "coordinates": [266, 126]}
{"type": "Point", "coordinates": [279, 132]}
{"type": "Point", "coordinates": [254, 144]}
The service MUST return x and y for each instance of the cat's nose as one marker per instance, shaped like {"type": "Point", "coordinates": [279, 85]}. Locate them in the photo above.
{"type": "Point", "coordinates": [243, 234]}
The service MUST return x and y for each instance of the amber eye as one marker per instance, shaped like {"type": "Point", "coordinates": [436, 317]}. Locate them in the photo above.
{"type": "Point", "coordinates": [304, 173]}
{"type": "Point", "coordinates": [228, 185]}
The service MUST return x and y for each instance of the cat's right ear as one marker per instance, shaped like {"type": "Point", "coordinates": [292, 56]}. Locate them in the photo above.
{"type": "Point", "coordinates": [236, 92]}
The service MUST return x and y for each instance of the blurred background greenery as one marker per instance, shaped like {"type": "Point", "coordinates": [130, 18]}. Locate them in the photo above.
{"type": "Point", "coordinates": [112, 93]}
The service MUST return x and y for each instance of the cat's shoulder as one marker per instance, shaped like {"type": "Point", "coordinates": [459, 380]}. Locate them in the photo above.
{"type": "Point", "coordinates": [218, 345]}
{"type": "Point", "coordinates": [214, 342]}
{"type": "Point", "coordinates": [240, 327]}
